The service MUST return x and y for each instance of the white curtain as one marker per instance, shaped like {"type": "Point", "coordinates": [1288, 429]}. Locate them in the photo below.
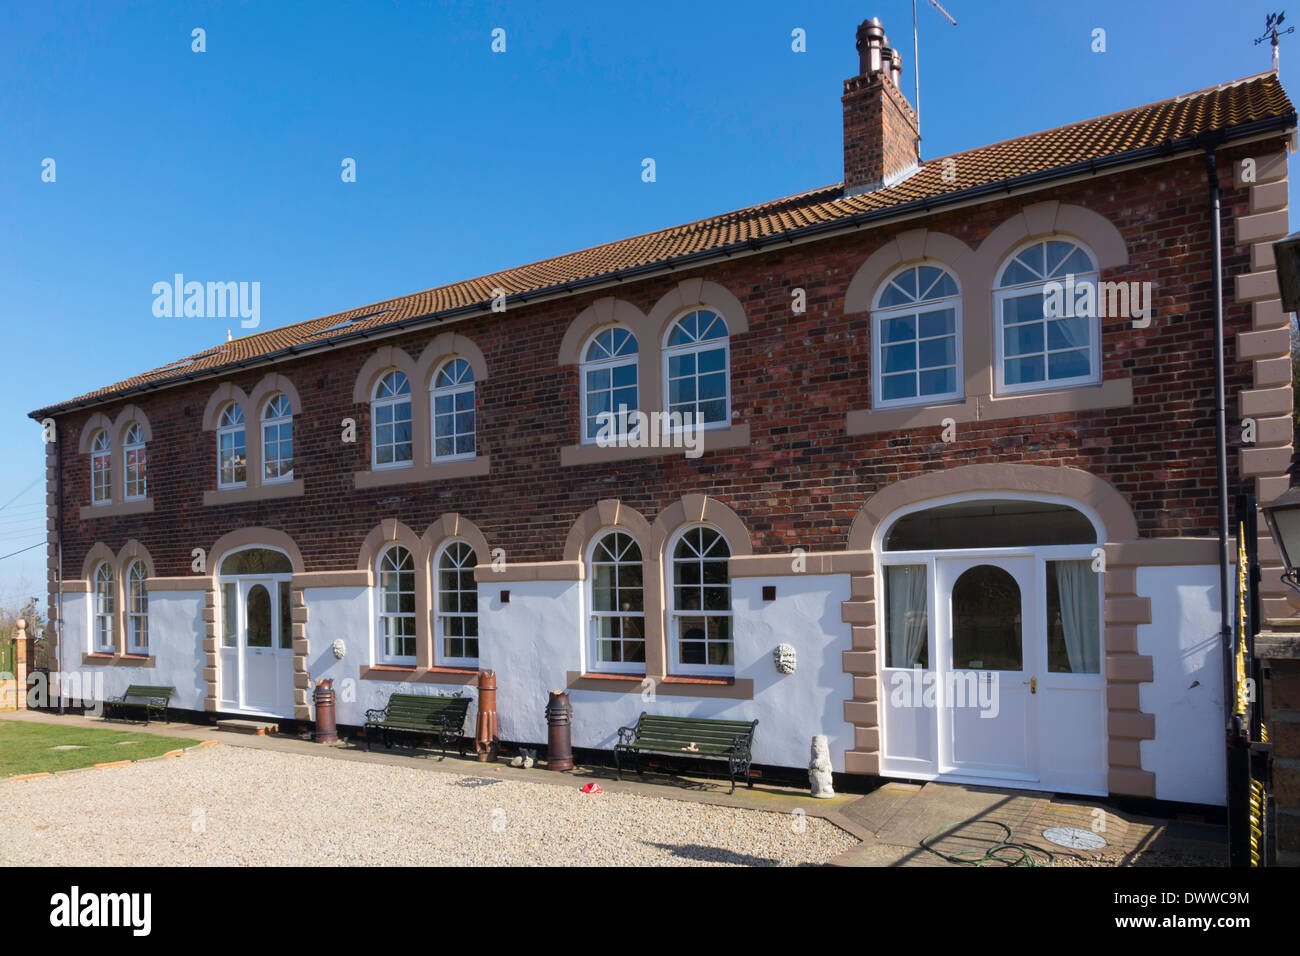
{"type": "Point", "coordinates": [1076, 583]}
{"type": "Point", "coordinates": [908, 623]}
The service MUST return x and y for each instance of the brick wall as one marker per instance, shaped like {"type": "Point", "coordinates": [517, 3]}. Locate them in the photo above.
{"type": "Point", "coordinates": [794, 378]}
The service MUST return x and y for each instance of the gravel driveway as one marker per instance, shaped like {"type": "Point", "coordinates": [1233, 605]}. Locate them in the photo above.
{"type": "Point", "coordinates": [237, 806]}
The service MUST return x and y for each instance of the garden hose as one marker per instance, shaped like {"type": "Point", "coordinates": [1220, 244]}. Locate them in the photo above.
{"type": "Point", "coordinates": [1004, 852]}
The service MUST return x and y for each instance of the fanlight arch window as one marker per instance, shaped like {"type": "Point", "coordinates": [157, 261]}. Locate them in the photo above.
{"type": "Point", "coordinates": [105, 608]}
{"type": "Point", "coordinates": [1048, 326]}
{"type": "Point", "coordinates": [609, 384]}
{"type": "Point", "coordinates": [991, 523]}
{"type": "Point", "coordinates": [137, 609]}
{"type": "Point", "coordinates": [256, 561]}
{"type": "Point", "coordinates": [617, 638]}
{"type": "Point", "coordinates": [277, 439]}
{"type": "Point", "coordinates": [390, 418]}
{"type": "Point", "coordinates": [101, 470]}
{"type": "Point", "coordinates": [916, 338]}
{"type": "Point", "coordinates": [451, 397]}
{"type": "Point", "coordinates": [396, 574]}
{"type": "Point", "coordinates": [232, 448]}
{"type": "Point", "coordinates": [700, 615]}
{"type": "Point", "coordinates": [135, 464]}
{"type": "Point", "coordinates": [456, 596]}
{"type": "Point", "coordinates": [697, 375]}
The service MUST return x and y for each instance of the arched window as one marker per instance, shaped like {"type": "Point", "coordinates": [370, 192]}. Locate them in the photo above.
{"type": "Point", "coordinates": [390, 417]}
{"type": "Point", "coordinates": [916, 338]}
{"type": "Point", "coordinates": [232, 451]}
{"type": "Point", "coordinates": [104, 609]}
{"type": "Point", "coordinates": [451, 398]}
{"type": "Point", "coordinates": [256, 561]}
{"type": "Point", "coordinates": [137, 610]}
{"type": "Point", "coordinates": [1048, 330]}
{"type": "Point", "coordinates": [617, 639]}
{"type": "Point", "coordinates": [101, 471]}
{"type": "Point", "coordinates": [609, 384]}
{"type": "Point", "coordinates": [696, 368]}
{"type": "Point", "coordinates": [700, 616]}
{"type": "Point", "coordinates": [277, 440]}
{"type": "Point", "coordinates": [397, 605]}
{"type": "Point", "coordinates": [135, 464]}
{"type": "Point", "coordinates": [456, 597]}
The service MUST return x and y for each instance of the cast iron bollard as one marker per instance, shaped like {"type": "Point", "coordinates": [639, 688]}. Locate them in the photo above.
{"type": "Point", "coordinates": [486, 743]}
{"type": "Point", "coordinates": [327, 731]}
{"type": "Point", "coordinates": [559, 732]}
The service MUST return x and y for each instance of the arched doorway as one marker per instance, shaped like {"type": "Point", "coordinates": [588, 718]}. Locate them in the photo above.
{"type": "Point", "coordinates": [256, 632]}
{"type": "Point", "coordinates": [991, 631]}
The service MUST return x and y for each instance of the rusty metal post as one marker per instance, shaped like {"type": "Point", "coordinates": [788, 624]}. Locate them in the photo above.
{"type": "Point", "coordinates": [559, 732]}
{"type": "Point", "coordinates": [327, 731]}
{"type": "Point", "coordinates": [487, 745]}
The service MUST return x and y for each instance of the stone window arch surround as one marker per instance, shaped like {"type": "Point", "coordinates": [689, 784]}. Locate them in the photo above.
{"type": "Point", "coordinates": [423, 548]}
{"type": "Point", "coordinates": [650, 330]}
{"type": "Point", "coordinates": [975, 270]}
{"type": "Point", "coordinates": [116, 429]}
{"type": "Point", "coordinates": [419, 373]}
{"type": "Point", "coordinates": [118, 563]}
{"type": "Point", "coordinates": [252, 404]}
{"type": "Point", "coordinates": [653, 539]}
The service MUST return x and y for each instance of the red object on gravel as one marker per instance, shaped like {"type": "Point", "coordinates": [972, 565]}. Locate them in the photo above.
{"type": "Point", "coordinates": [592, 788]}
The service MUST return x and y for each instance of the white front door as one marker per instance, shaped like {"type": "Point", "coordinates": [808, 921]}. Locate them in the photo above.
{"type": "Point", "coordinates": [987, 655]}
{"type": "Point", "coordinates": [259, 642]}
{"type": "Point", "coordinates": [256, 657]}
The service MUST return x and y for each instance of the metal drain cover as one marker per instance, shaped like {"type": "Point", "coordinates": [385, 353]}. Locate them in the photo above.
{"type": "Point", "coordinates": [1074, 838]}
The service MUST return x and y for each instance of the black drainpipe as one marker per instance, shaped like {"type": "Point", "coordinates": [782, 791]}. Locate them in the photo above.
{"type": "Point", "coordinates": [58, 572]}
{"type": "Point", "coordinates": [1221, 436]}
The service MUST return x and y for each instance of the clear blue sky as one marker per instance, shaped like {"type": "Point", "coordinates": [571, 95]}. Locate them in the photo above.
{"type": "Point", "coordinates": [225, 165]}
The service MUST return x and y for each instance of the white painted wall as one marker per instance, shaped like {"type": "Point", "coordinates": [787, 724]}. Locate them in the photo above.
{"type": "Point", "coordinates": [533, 641]}
{"type": "Point", "coordinates": [1186, 697]}
{"type": "Point", "coordinates": [175, 640]}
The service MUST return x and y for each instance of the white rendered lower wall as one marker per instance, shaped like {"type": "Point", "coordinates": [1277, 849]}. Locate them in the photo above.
{"type": "Point", "coordinates": [536, 639]}
{"type": "Point", "coordinates": [175, 641]}
{"type": "Point", "coordinates": [1187, 755]}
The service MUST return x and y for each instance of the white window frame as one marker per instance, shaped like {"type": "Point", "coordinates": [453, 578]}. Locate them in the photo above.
{"type": "Point", "coordinates": [916, 308]}
{"type": "Point", "coordinates": [237, 433]}
{"type": "Point", "coordinates": [392, 401]}
{"type": "Point", "coordinates": [460, 387]}
{"type": "Point", "coordinates": [696, 347]}
{"type": "Point", "coordinates": [382, 614]}
{"type": "Point", "coordinates": [439, 633]}
{"type": "Point", "coordinates": [103, 630]}
{"type": "Point", "coordinates": [137, 609]}
{"type": "Point", "coordinates": [1041, 555]}
{"type": "Point", "coordinates": [134, 457]}
{"type": "Point", "coordinates": [1019, 290]}
{"type": "Point", "coordinates": [595, 664]}
{"type": "Point", "coordinates": [617, 359]}
{"type": "Point", "coordinates": [277, 422]}
{"type": "Point", "coordinates": [673, 614]}
{"type": "Point", "coordinates": [101, 469]}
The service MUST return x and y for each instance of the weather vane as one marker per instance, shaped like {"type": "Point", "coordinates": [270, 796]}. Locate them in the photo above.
{"type": "Point", "coordinates": [1271, 32]}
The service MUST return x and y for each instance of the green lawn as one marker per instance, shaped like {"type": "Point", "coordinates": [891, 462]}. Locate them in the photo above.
{"type": "Point", "coordinates": [28, 747]}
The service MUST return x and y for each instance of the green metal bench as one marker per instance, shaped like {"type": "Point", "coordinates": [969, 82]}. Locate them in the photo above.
{"type": "Point", "coordinates": [434, 715]}
{"type": "Point", "coordinates": [729, 740]}
{"type": "Point", "coordinates": [151, 698]}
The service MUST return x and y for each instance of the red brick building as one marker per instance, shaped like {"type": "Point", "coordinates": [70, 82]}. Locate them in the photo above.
{"type": "Point", "coordinates": [955, 506]}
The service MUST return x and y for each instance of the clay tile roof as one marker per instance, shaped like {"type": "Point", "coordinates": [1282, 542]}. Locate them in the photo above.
{"type": "Point", "coordinates": [1252, 105]}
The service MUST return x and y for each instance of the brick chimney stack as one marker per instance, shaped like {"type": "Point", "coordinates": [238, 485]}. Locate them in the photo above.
{"type": "Point", "coordinates": [881, 138]}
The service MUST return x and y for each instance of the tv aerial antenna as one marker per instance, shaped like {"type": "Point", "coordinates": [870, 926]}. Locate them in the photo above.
{"type": "Point", "coordinates": [1271, 32]}
{"type": "Point", "coordinates": [916, 55]}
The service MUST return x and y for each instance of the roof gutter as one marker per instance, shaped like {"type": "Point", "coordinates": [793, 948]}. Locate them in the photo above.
{"type": "Point", "coordinates": [922, 206]}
